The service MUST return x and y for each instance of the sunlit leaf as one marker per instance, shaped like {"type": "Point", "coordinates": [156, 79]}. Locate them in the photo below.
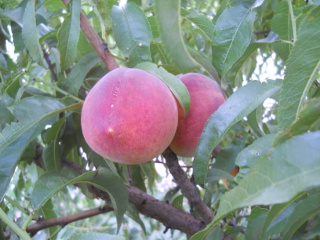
{"type": "Point", "coordinates": [239, 105]}
{"type": "Point", "coordinates": [68, 36]}
{"type": "Point", "coordinates": [276, 177]}
{"type": "Point", "coordinates": [175, 84]}
{"type": "Point", "coordinates": [302, 68]}
{"type": "Point", "coordinates": [132, 33]}
{"type": "Point", "coordinates": [32, 40]}
{"type": "Point", "coordinates": [168, 17]}
{"type": "Point", "coordinates": [232, 35]}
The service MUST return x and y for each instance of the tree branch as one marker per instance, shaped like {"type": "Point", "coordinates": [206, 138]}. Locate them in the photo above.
{"type": "Point", "coordinates": [165, 213]}
{"type": "Point", "coordinates": [95, 41]}
{"type": "Point", "coordinates": [187, 187]}
{"type": "Point", "coordinates": [62, 221]}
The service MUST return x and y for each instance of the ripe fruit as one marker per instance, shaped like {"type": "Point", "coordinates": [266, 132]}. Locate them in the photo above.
{"type": "Point", "coordinates": [205, 98]}
{"type": "Point", "coordinates": [129, 116]}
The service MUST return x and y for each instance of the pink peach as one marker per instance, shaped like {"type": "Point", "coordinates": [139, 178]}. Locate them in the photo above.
{"type": "Point", "coordinates": [129, 116]}
{"type": "Point", "coordinates": [205, 98]}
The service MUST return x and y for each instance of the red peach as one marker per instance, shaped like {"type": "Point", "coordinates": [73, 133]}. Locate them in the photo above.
{"type": "Point", "coordinates": [129, 116]}
{"type": "Point", "coordinates": [205, 98]}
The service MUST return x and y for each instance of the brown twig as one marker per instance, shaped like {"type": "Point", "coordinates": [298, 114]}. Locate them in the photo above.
{"type": "Point", "coordinates": [168, 215]}
{"type": "Point", "coordinates": [149, 206]}
{"type": "Point", "coordinates": [46, 58]}
{"type": "Point", "coordinates": [63, 221]}
{"type": "Point", "coordinates": [187, 187]}
{"type": "Point", "coordinates": [95, 41]}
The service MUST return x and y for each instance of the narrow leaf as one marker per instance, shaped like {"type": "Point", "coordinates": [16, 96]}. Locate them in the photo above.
{"type": "Point", "coordinates": [248, 156]}
{"type": "Point", "coordinates": [232, 35]}
{"type": "Point", "coordinates": [79, 72]}
{"type": "Point", "coordinates": [303, 66]}
{"type": "Point", "coordinates": [308, 119]}
{"type": "Point", "coordinates": [33, 113]}
{"type": "Point", "coordinates": [14, 15]}
{"type": "Point", "coordinates": [30, 33]}
{"type": "Point", "coordinates": [168, 16]}
{"type": "Point", "coordinates": [255, 223]}
{"type": "Point", "coordinates": [132, 33]}
{"type": "Point", "coordinates": [295, 163]}
{"type": "Point", "coordinates": [68, 36]}
{"type": "Point", "coordinates": [52, 182]}
{"type": "Point", "coordinates": [239, 105]}
{"type": "Point", "coordinates": [305, 210]}
{"type": "Point", "coordinates": [176, 86]}
{"type": "Point", "coordinates": [201, 21]}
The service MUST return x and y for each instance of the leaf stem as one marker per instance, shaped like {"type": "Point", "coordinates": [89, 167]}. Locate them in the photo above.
{"type": "Point", "coordinates": [57, 89]}
{"type": "Point", "coordinates": [293, 23]}
{"type": "Point", "coordinates": [22, 234]}
{"type": "Point", "coordinates": [285, 41]}
{"type": "Point", "coordinates": [25, 224]}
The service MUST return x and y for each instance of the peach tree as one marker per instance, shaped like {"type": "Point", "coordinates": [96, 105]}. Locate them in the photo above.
{"type": "Point", "coordinates": [254, 170]}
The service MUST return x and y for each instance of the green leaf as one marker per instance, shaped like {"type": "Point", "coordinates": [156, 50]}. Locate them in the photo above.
{"type": "Point", "coordinates": [248, 156]}
{"type": "Point", "coordinates": [79, 72]}
{"type": "Point", "coordinates": [50, 183]}
{"type": "Point", "coordinates": [95, 236]}
{"type": "Point", "coordinates": [281, 24]}
{"type": "Point", "coordinates": [255, 223]}
{"type": "Point", "coordinates": [47, 212]}
{"type": "Point", "coordinates": [232, 36]}
{"type": "Point", "coordinates": [305, 210]}
{"type": "Point", "coordinates": [236, 107]}
{"type": "Point", "coordinates": [302, 68]}
{"type": "Point", "coordinates": [205, 63]}
{"type": "Point", "coordinates": [275, 211]}
{"type": "Point", "coordinates": [235, 70]}
{"type": "Point", "coordinates": [277, 177]}
{"type": "Point", "coordinates": [168, 17]}
{"type": "Point", "coordinates": [33, 113]}
{"type": "Point", "coordinates": [201, 21]}
{"type": "Point", "coordinates": [132, 33]}
{"type": "Point", "coordinates": [30, 33]}
{"type": "Point", "coordinates": [308, 120]}
{"type": "Point", "coordinates": [13, 15]}
{"type": "Point", "coordinates": [215, 174]}
{"type": "Point", "coordinates": [68, 36]}
{"type": "Point", "coordinates": [179, 90]}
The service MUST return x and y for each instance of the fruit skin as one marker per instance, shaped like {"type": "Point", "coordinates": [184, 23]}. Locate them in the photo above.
{"type": "Point", "coordinates": [129, 116]}
{"type": "Point", "coordinates": [205, 98]}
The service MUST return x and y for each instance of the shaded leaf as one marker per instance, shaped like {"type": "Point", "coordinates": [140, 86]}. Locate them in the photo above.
{"type": "Point", "coordinates": [33, 113]}
{"type": "Point", "coordinates": [281, 24]}
{"type": "Point", "coordinates": [179, 90]}
{"type": "Point", "coordinates": [68, 36]}
{"type": "Point", "coordinates": [168, 17]}
{"type": "Point", "coordinates": [79, 72]}
{"type": "Point", "coordinates": [14, 15]}
{"type": "Point", "coordinates": [303, 65]}
{"type": "Point", "coordinates": [32, 40]}
{"type": "Point", "coordinates": [50, 183]}
{"type": "Point", "coordinates": [277, 177]}
{"type": "Point", "coordinates": [201, 21]}
{"type": "Point", "coordinates": [305, 210]}
{"type": "Point", "coordinates": [132, 33]}
{"type": "Point", "coordinates": [255, 223]}
{"type": "Point", "coordinates": [248, 156]}
{"type": "Point", "coordinates": [232, 35]}
{"type": "Point", "coordinates": [308, 120]}
{"type": "Point", "coordinates": [239, 105]}
{"type": "Point", "coordinates": [96, 236]}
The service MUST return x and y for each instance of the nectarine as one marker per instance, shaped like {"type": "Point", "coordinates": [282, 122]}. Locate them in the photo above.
{"type": "Point", "coordinates": [129, 116]}
{"type": "Point", "coordinates": [205, 98]}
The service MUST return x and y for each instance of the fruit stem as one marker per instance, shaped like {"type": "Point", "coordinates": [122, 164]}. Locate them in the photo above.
{"type": "Point", "coordinates": [22, 234]}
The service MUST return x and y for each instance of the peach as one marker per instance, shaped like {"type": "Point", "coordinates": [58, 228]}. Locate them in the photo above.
{"type": "Point", "coordinates": [205, 98]}
{"type": "Point", "coordinates": [129, 116]}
